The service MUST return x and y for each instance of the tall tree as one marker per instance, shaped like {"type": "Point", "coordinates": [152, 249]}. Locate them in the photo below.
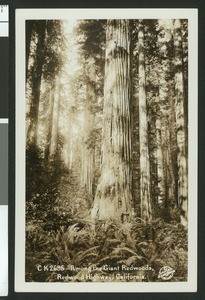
{"type": "Point", "coordinates": [88, 159]}
{"type": "Point", "coordinates": [36, 82]}
{"type": "Point", "coordinates": [50, 123]}
{"type": "Point", "coordinates": [55, 118]}
{"type": "Point", "coordinates": [145, 194]}
{"type": "Point", "coordinates": [91, 34]}
{"type": "Point", "coordinates": [113, 195]}
{"type": "Point", "coordinates": [166, 182]}
{"type": "Point", "coordinates": [160, 163]}
{"type": "Point", "coordinates": [53, 124]}
{"type": "Point", "coordinates": [180, 125]}
{"type": "Point", "coordinates": [29, 30]}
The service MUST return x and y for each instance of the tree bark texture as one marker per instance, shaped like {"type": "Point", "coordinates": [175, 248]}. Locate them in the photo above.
{"type": "Point", "coordinates": [165, 110]}
{"type": "Point", "coordinates": [180, 125]}
{"type": "Point", "coordinates": [88, 165]}
{"type": "Point", "coordinates": [145, 193]}
{"type": "Point", "coordinates": [169, 191]}
{"type": "Point", "coordinates": [160, 164]}
{"type": "Point", "coordinates": [113, 195]}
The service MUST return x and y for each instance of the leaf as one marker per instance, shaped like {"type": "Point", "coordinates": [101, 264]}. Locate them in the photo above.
{"type": "Point", "coordinates": [120, 250]}
{"type": "Point", "coordinates": [132, 259]}
{"type": "Point", "coordinates": [145, 244]}
{"type": "Point", "coordinates": [84, 254]}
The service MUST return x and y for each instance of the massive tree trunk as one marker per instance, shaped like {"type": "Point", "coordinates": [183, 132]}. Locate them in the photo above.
{"type": "Point", "coordinates": [113, 196]}
{"type": "Point", "coordinates": [145, 195]}
{"type": "Point", "coordinates": [36, 83]}
{"type": "Point", "coordinates": [89, 144]}
{"type": "Point", "coordinates": [180, 125]}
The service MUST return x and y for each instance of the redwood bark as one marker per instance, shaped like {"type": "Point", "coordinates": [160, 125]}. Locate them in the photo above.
{"type": "Point", "coordinates": [145, 194]}
{"type": "Point", "coordinates": [165, 108]}
{"type": "Point", "coordinates": [180, 125]}
{"type": "Point", "coordinates": [160, 164]}
{"type": "Point", "coordinates": [88, 159]}
{"type": "Point", "coordinates": [113, 196]}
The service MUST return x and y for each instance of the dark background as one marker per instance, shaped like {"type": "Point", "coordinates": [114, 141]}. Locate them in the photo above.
{"type": "Point", "coordinates": [4, 76]}
{"type": "Point", "coordinates": [200, 4]}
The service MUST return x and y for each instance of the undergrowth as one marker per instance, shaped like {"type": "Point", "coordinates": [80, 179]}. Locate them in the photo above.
{"type": "Point", "coordinates": [59, 233]}
{"type": "Point", "coordinates": [84, 244]}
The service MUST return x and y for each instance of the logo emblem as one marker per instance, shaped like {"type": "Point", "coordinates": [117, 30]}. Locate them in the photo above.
{"type": "Point", "coordinates": [166, 273]}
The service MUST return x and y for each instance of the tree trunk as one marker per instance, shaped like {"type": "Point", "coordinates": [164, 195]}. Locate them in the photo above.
{"type": "Point", "coordinates": [89, 143]}
{"type": "Point", "coordinates": [29, 29]}
{"type": "Point", "coordinates": [69, 141]}
{"type": "Point", "coordinates": [160, 165]}
{"type": "Point", "coordinates": [50, 122]}
{"type": "Point", "coordinates": [113, 195]}
{"type": "Point", "coordinates": [180, 125]}
{"type": "Point", "coordinates": [55, 118]}
{"type": "Point", "coordinates": [36, 84]}
{"type": "Point", "coordinates": [145, 195]}
{"type": "Point", "coordinates": [167, 125]}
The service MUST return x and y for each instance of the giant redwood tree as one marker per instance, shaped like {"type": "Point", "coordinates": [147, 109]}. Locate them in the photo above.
{"type": "Point", "coordinates": [113, 195]}
{"type": "Point", "coordinates": [145, 193]}
{"type": "Point", "coordinates": [180, 124]}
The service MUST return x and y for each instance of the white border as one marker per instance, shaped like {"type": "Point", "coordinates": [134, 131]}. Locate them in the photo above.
{"type": "Point", "coordinates": [4, 250]}
{"type": "Point", "coordinates": [4, 29]}
{"type": "Point", "coordinates": [4, 15]}
{"type": "Point", "coordinates": [152, 287]}
{"type": "Point", "coordinates": [4, 121]}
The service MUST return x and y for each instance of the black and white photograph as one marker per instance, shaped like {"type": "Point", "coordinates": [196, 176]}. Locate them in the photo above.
{"type": "Point", "coordinates": [106, 115]}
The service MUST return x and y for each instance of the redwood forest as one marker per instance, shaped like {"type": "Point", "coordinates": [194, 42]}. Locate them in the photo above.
{"type": "Point", "coordinates": [106, 150]}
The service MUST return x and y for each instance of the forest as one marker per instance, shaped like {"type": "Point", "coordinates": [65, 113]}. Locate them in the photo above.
{"type": "Point", "coordinates": [106, 149]}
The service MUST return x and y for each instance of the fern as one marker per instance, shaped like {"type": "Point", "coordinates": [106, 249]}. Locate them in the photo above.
{"type": "Point", "coordinates": [133, 259]}
{"type": "Point", "coordinates": [83, 255]}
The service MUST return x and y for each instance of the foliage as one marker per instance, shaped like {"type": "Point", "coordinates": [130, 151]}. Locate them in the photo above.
{"type": "Point", "coordinates": [42, 184]}
{"type": "Point", "coordinates": [106, 243]}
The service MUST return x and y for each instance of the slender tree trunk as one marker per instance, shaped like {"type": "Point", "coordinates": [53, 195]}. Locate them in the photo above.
{"type": "Point", "coordinates": [55, 118]}
{"type": "Point", "coordinates": [36, 84]}
{"type": "Point", "coordinates": [68, 149]}
{"type": "Point", "coordinates": [113, 196]}
{"type": "Point", "coordinates": [165, 107]}
{"type": "Point", "coordinates": [160, 164]}
{"type": "Point", "coordinates": [89, 143]}
{"type": "Point", "coordinates": [50, 122]}
{"type": "Point", "coordinates": [145, 195]}
{"type": "Point", "coordinates": [29, 29]}
{"type": "Point", "coordinates": [180, 125]}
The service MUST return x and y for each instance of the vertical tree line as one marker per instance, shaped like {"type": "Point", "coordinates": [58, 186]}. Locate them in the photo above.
{"type": "Point", "coordinates": [119, 122]}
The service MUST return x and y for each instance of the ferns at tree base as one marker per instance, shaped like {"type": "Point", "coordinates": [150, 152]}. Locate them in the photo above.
{"type": "Point", "coordinates": [106, 244]}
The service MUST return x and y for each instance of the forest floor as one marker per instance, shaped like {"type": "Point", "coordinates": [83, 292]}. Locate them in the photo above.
{"type": "Point", "coordinates": [65, 236]}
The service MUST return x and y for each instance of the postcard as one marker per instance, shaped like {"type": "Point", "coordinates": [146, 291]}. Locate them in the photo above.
{"type": "Point", "coordinates": [106, 150]}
